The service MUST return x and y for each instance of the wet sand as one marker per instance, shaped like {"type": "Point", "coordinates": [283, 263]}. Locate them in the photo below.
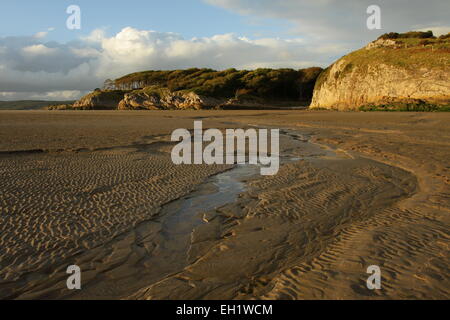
{"type": "Point", "coordinates": [98, 189]}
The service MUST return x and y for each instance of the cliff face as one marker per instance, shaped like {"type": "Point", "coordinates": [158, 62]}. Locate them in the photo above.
{"type": "Point", "coordinates": [100, 100]}
{"type": "Point", "coordinates": [156, 98]}
{"type": "Point", "coordinates": [385, 72]}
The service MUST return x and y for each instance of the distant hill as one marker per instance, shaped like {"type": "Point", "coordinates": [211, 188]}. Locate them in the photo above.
{"type": "Point", "coordinates": [205, 89]}
{"type": "Point", "coordinates": [397, 72]}
{"type": "Point", "coordinates": [30, 104]}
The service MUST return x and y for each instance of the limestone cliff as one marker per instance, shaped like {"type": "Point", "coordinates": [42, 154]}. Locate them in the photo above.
{"type": "Point", "coordinates": [100, 100]}
{"type": "Point", "coordinates": [157, 98]}
{"type": "Point", "coordinates": [387, 72]}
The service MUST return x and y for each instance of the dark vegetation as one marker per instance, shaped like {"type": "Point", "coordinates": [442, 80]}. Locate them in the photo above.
{"type": "Point", "coordinates": [271, 84]}
{"type": "Point", "coordinates": [30, 104]}
{"type": "Point", "coordinates": [419, 39]}
{"type": "Point", "coordinates": [408, 35]}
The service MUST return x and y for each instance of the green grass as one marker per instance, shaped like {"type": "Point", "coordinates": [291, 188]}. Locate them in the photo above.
{"type": "Point", "coordinates": [412, 58]}
{"type": "Point", "coordinates": [438, 44]}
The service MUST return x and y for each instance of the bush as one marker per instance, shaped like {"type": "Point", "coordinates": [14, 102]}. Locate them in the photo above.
{"type": "Point", "coordinates": [425, 42]}
{"type": "Point", "coordinates": [408, 35]}
{"type": "Point", "coordinates": [390, 35]}
{"type": "Point", "coordinates": [417, 35]}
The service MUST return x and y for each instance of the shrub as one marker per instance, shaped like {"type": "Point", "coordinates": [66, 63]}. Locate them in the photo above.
{"type": "Point", "coordinates": [425, 42]}
{"type": "Point", "coordinates": [408, 35]}
{"type": "Point", "coordinates": [417, 35]}
{"type": "Point", "coordinates": [390, 35]}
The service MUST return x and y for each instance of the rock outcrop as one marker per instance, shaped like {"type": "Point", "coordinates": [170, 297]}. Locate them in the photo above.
{"type": "Point", "coordinates": [383, 43]}
{"type": "Point", "coordinates": [385, 72]}
{"type": "Point", "coordinates": [156, 98]}
{"type": "Point", "coordinates": [60, 107]}
{"type": "Point", "coordinates": [100, 100]}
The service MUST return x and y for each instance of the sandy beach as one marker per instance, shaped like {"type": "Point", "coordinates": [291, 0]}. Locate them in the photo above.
{"type": "Point", "coordinates": [98, 189]}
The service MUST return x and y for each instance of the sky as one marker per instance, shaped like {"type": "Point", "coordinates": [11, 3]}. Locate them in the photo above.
{"type": "Point", "coordinates": [40, 58]}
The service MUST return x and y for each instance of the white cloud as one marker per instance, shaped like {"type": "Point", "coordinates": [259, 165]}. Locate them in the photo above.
{"type": "Point", "coordinates": [65, 95]}
{"type": "Point", "coordinates": [86, 52]}
{"type": "Point", "coordinates": [43, 34]}
{"type": "Point", "coordinates": [39, 49]}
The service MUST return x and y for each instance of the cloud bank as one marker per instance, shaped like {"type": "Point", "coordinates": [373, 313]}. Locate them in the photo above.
{"type": "Point", "coordinates": [345, 19]}
{"type": "Point", "coordinates": [29, 66]}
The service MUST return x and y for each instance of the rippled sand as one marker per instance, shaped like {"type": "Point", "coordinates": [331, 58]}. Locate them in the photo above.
{"type": "Point", "coordinates": [98, 189]}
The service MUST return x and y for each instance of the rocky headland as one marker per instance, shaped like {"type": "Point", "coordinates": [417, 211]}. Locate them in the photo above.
{"type": "Point", "coordinates": [409, 72]}
{"type": "Point", "coordinates": [406, 72]}
{"type": "Point", "coordinates": [204, 89]}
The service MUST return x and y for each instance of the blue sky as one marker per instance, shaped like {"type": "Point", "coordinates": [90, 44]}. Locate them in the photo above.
{"type": "Point", "coordinates": [194, 18]}
{"type": "Point", "coordinates": [41, 59]}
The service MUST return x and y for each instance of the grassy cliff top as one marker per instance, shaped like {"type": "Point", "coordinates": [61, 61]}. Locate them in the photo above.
{"type": "Point", "coordinates": [411, 57]}
{"type": "Point", "coordinates": [408, 51]}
